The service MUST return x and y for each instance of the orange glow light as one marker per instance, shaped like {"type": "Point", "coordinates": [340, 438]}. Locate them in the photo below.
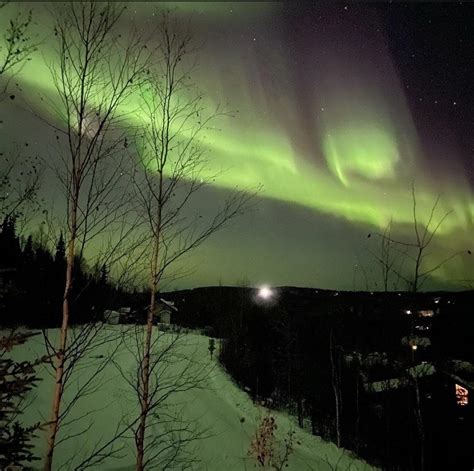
{"type": "Point", "coordinates": [462, 395]}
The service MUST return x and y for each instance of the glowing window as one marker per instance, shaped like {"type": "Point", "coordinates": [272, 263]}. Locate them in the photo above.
{"type": "Point", "coordinates": [462, 395]}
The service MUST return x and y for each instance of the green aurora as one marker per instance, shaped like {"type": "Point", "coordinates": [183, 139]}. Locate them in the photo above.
{"type": "Point", "coordinates": [352, 153]}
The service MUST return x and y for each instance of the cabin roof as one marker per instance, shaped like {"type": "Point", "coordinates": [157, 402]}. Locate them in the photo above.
{"type": "Point", "coordinates": [170, 304]}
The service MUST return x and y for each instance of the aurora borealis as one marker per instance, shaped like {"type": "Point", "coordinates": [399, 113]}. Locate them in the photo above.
{"type": "Point", "coordinates": [339, 109]}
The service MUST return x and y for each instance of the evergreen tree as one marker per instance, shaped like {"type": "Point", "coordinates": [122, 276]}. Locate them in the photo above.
{"type": "Point", "coordinates": [60, 255]}
{"type": "Point", "coordinates": [9, 244]}
{"type": "Point", "coordinates": [32, 282]}
{"type": "Point", "coordinates": [28, 253]}
{"type": "Point", "coordinates": [16, 380]}
{"type": "Point", "coordinates": [104, 275]}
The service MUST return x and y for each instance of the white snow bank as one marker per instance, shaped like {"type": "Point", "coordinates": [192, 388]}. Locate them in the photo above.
{"type": "Point", "coordinates": [224, 413]}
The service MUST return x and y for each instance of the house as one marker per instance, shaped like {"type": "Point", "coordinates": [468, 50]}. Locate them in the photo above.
{"type": "Point", "coordinates": [459, 376]}
{"type": "Point", "coordinates": [403, 380]}
{"type": "Point", "coordinates": [111, 317]}
{"type": "Point", "coordinates": [163, 311]}
{"type": "Point", "coordinates": [120, 316]}
{"type": "Point", "coordinates": [127, 316]}
{"type": "Point", "coordinates": [415, 341]}
{"type": "Point", "coordinates": [462, 395]}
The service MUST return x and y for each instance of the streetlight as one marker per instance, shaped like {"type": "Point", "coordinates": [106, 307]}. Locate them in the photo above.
{"type": "Point", "coordinates": [414, 348]}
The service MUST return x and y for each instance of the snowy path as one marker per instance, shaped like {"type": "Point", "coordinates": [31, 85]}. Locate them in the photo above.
{"type": "Point", "coordinates": [224, 412]}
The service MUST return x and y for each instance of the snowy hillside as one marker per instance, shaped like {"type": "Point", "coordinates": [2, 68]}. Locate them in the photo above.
{"type": "Point", "coordinates": [222, 416]}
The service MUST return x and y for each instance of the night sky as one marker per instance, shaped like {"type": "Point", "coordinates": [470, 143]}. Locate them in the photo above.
{"type": "Point", "coordinates": [341, 107]}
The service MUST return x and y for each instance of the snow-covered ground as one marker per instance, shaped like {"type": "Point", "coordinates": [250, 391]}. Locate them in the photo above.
{"type": "Point", "coordinates": [224, 414]}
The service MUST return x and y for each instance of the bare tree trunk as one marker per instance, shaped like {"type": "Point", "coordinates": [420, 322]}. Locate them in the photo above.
{"type": "Point", "coordinates": [314, 428]}
{"type": "Point", "coordinates": [416, 278]}
{"type": "Point", "coordinates": [95, 74]}
{"type": "Point", "coordinates": [419, 423]}
{"type": "Point", "coordinates": [174, 166]}
{"type": "Point", "coordinates": [61, 354]}
{"type": "Point", "coordinates": [145, 380]}
{"type": "Point", "coordinates": [145, 377]}
{"type": "Point", "coordinates": [357, 420]}
{"type": "Point", "coordinates": [300, 412]}
{"type": "Point", "coordinates": [336, 388]}
{"type": "Point", "coordinates": [145, 364]}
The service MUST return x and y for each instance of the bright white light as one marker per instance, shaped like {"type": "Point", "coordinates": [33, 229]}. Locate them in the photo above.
{"type": "Point", "coordinates": [414, 347]}
{"type": "Point", "coordinates": [265, 292]}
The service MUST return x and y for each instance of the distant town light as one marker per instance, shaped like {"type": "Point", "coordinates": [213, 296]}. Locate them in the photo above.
{"type": "Point", "coordinates": [265, 292]}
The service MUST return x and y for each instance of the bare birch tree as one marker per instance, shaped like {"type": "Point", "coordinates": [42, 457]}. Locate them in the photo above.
{"type": "Point", "coordinates": [177, 367]}
{"type": "Point", "coordinates": [95, 74]}
{"type": "Point", "coordinates": [175, 167]}
{"type": "Point", "coordinates": [19, 177]}
{"type": "Point", "coordinates": [391, 259]}
{"type": "Point", "coordinates": [16, 48]}
{"type": "Point", "coordinates": [413, 268]}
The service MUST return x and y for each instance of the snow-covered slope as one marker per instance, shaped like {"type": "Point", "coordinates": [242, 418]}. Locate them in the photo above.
{"type": "Point", "coordinates": [224, 414]}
